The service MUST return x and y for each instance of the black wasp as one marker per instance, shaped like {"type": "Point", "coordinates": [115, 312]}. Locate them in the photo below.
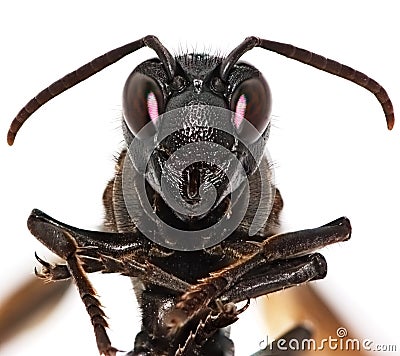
{"type": "Point", "coordinates": [192, 213]}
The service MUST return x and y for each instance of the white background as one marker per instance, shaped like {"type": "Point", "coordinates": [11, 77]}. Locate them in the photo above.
{"type": "Point", "coordinates": [333, 155]}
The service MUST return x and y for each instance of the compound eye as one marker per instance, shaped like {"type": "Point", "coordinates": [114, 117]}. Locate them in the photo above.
{"type": "Point", "coordinates": [251, 101]}
{"type": "Point", "coordinates": [143, 101]}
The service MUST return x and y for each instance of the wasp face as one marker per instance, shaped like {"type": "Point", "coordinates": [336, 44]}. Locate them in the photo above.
{"type": "Point", "coordinates": [199, 130]}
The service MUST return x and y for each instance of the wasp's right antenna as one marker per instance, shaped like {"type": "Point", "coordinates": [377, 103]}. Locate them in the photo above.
{"type": "Point", "coordinates": [316, 61]}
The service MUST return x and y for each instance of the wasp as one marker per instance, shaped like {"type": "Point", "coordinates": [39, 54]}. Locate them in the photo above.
{"type": "Point", "coordinates": [192, 212]}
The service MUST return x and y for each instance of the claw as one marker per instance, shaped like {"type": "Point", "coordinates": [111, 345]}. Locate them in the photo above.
{"type": "Point", "coordinates": [51, 272]}
{"type": "Point", "coordinates": [42, 262]}
{"type": "Point", "coordinates": [242, 309]}
{"type": "Point", "coordinates": [45, 269]}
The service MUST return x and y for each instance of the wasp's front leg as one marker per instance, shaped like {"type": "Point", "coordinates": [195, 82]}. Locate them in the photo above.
{"type": "Point", "coordinates": [275, 276]}
{"type": "Point", "coordinates": [87, 251]}
{"type": "Point", "coordinates": [106, 252]}
{"type": "Point", "coordinates": [63, 243]}
{"type": "Point", "coordinates": [254, 255]}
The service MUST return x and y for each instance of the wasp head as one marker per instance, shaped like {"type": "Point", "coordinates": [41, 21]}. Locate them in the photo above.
{"type": "Point", "coordinates": [200, 137]}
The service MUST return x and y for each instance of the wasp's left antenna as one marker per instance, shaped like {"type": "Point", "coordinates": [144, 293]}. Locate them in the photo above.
{"type": "Point", "coordinates": [87, 71]}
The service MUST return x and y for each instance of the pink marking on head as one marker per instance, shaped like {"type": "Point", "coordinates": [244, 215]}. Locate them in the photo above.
{"type": "Point", "coordinates": [240, 110]}
{"type": "Point", "coordinates": [152, 106]}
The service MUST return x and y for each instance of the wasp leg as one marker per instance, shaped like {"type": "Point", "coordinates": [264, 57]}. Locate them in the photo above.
{"type": "Point", "coordinates": [88, 251]}
{"type": "Point", "coordinates": [280, 347]}
{"type": "Point", "coordinates": [281, 274]}
{"type": "Point", "coordinates": [276, 247]}
{"type": "Point", "coordinates": [52, 272]}
{"type": "Point", "coordinates": [50, 232]}
{"type": "Point", "coordinates": [129, 251]}
{"type": "Point", "coordinates": [263, 280]}
{"type": "Point", "coordinates": [92, 304]}
{"type": "Point", "coordinates": [106, 264]}
{"type": "Point", "coordinates": [210, 336]}
{"type": "Point", "coordinates": [146, 271]}
{"type": "Point", "coordinates": [61, 241]}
